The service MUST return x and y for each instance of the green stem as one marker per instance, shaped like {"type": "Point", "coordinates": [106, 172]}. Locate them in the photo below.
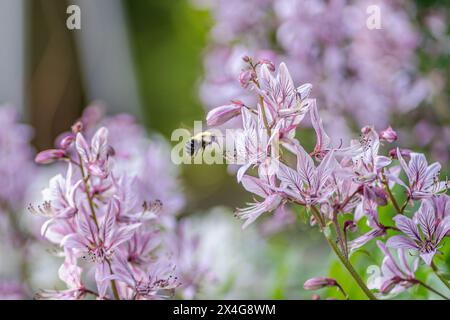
{"type": "Point", "coordinates": [339, 234]}
{"type": "Point", "coordinates": [342, 291]}
{"type": "Point", "coordinates": [88, 193]}
{"type": "Point", "coordinates": [391, 196]}
{"type": "Point", "coordinates": [113, 283]}
{"type": "Point", "coordinates": [439, 275]}
{"type": "Point", "coordinates": [264, 116]}
{"type": "Point", "coordinates": [402, 209]}
{"type": "Point", "coordinates": [343, 259]}
{"type": "Point", "coordinates": [423, 284]}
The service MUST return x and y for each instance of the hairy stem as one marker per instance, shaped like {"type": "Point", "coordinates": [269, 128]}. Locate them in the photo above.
{"type": "Point", "coordinates": [343, 259]}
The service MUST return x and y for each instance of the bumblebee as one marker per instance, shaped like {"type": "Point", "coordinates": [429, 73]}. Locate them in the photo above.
{"type": "Point", "coordinates": [199, 142]}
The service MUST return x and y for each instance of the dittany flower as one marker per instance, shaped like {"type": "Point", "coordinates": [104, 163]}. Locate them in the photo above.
{"type": "Point", "coordinates": [100, 244]}
{"type": "Point", "coordinates": [395, 276]}
{"type": "Point", "coordinates": [423, 178]}
{"type": "Point", "coordinates": [158, 277]}
{"type": "Point", "coordinates": [70, 274]}
{"type": "Point", "coordinates": [308, 184]}
{"type": "Point", "coordinates": [263, 188]}
{"type": "Point", "coordinates": [60, 197]}
{"type": "Point", "coordinates": [425, 242]}
{"type": "Point", "coordinates": [95, 156]}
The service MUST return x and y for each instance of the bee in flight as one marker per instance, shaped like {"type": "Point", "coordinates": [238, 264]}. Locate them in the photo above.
{"type": "Point", "coordinates": [200, 141]}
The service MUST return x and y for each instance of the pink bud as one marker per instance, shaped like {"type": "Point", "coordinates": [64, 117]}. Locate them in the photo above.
{"type": "Point", "coordinates": [406, 153]}
{"type": "Point", "coordinates": [245, 77]}
{"type": "Point", "coordinates": [270, 65]}
{"type": "Point", "coordinates": [67, 141]}
{"type": "Point", "coordinates": [315, 297]}
{"type": "Point", "coordinates": [77, 127]}
{"type": "Point", "coordinates": [318, 283]}
{"type": "Point", "coordinates": [222, 114]}
{"type": "Point", "coordinates": [366, 129]}
{"type": "Point", "coordinates": [49, 156]}
{"type": "Point", "coordinates": [350, 225]}
{"type": "Point", "coordinates": [246, 59]}
{"type": "Point", "coordinates": [388, 135]}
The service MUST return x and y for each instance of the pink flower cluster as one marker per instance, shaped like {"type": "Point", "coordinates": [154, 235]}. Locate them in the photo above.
{"type": "Point", "coordinates": [328, 44]}
{"type": "Point", "coordinates": [338, 186]}
{"type": "Point", "coordinates": [113, 214]}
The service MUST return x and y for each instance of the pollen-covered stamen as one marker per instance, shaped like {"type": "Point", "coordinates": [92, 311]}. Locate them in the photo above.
{"type": "Point", "coordinates": [97, 254]}
{"type": "Point", "coordinates": [152, 206]}
{"type": "Point", "coordinates": [44, 209]}
{"type": "Point", "coordinates": [427, 246]}
{"type": "Point", "coordinates": [145, 288]}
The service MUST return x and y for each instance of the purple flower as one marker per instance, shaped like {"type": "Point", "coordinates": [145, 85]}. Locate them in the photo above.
{"type": "Point", "coordinates": [263, 189]}
{"type": "Point", "coordinates": [364, 152]}
{"type": "Point", "coordinates": [60, 198]}
{"type": "Point", "coordinates": [95, 156]}
{"type": "Point", "coordinates": [441, 206]}
{"type": "Point", "coordinates": [423, 178]}
{"type": "Point", "coordinates": [105, 213]}
{"type": "Point", "coordinates": [425, 242]}
{"type": "Point", "coordinates": [70, 274]}
{"type": "Point", "coordinates": [148, 285]}
{"type": "Point", "coordinates": [395, 276]}
{"type": "Point", "coordinates": [99, 244]}
{"type": "Point", "coordinates": [251, 145]}
{"type": "Point", "coordinates": [308, 184]}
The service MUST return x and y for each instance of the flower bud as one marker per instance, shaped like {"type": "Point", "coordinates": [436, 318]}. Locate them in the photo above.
{"type": "Point", "coordinates": [405, 153]}
{"type": "Point", "coordinates": [245, 77]}
{"type": "Point", "coordinates": [318, 283]}
{"type": "Point", "coordinates": [366, 129]}
{"type": "Point", "coordinates": [350, 225]}
{"type": "Point", "coordinates": [66, 141]}
{"type": "Point", "coordinates": [222, 114]}
{"type": "Point", "coordinates": [270, 65]}
{"type": "Point", "coordinates": [246, 59]}
{"type": "Point", "coordinates": [49, 156]}
{"type": "Point", "coordinates": [388, 135]}
{"type": "Point", "coordinates": [77, 127]}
